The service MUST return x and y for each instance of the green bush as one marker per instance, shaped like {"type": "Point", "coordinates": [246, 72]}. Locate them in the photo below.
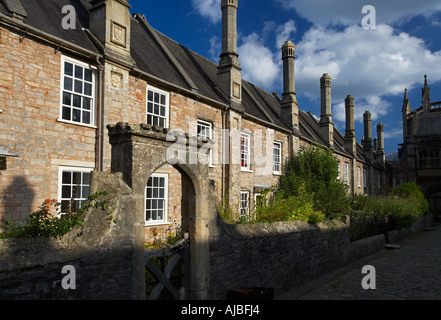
{"type": "Point", "coordinates": [41, 223]}
{"type": "Point", "coordinates": [411, 191]}
{"type": "Point", "coordinates": [400, 207]}
{"type": "Point", "coordinates": [360, 202]}
{"type": "Point", "coordinates": [286, 208]}
{"type": "Point", "coordinates": [316, 171]}
{"type": "Point", "coordinates": [44, 223]}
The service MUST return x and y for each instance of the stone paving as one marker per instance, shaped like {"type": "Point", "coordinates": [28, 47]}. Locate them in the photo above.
{"type": "Point", "coordinates": [411, 272]}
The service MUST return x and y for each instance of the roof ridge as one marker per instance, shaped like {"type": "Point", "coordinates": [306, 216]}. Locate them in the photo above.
{"type": "Point", "coordinates": [172, 40]}
{"type": "Point", "coordinates": [167, 52]}
{"type": "Point", "coordinates": [16, 8]}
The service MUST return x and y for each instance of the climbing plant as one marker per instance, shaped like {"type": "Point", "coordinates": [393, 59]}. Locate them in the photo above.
{"type": "Point", "coordinates": [46, 223]}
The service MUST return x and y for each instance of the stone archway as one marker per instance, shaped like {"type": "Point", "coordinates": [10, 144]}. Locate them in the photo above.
{"type": "Point", "coordinates": [137, 151]}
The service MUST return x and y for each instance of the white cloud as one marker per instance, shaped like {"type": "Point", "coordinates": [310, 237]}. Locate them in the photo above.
{"type": "Point", "coordinates": [363, 63]}
{"type": "Point", "coordinates": [215, 48]}
{"type": "Point", "coordinates": [376, 106]}
{"type": "Point", "coordinates": [209, 9]}
{"type": "Point", "coordinates": [348, 12]}
{"type": "Point", "coordinates": [284, 31]}
{"type": "Point", "coordinates": [394, 133]}
{"type": "Point", "coordinates": [259, 64]}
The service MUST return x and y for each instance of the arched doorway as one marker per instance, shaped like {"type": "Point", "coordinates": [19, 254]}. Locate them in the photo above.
{"type": "Point", "coordinates": [138, 151]}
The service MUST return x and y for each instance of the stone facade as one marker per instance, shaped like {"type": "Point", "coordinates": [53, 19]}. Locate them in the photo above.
{"type": "Point", "coordinates": [420, 153]}
{"type": "Point", "coordinates": [60, 89]}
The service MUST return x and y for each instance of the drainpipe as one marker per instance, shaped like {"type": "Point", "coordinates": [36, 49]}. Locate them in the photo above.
{"type": "Point", "coordinates": [100, 114]}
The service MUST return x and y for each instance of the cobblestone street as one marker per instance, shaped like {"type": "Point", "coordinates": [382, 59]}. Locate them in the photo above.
{"type": "Point", "coordinates": [411, 272]}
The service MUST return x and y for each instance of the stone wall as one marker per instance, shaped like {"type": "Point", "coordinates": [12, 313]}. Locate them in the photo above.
{"type": "Point", "coordinates": [285, 255]}
{"type": "Point", "coordinates": [106, 256]}
{"type": "Point", "coordinates": [279, 255]}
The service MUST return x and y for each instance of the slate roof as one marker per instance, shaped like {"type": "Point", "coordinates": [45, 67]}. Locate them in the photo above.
{"type": "Point", "coordinates": [46, 16]}
{"type": "Point", "coordinates": [173, 63]}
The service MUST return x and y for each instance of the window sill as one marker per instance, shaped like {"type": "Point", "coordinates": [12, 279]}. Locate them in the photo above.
{"type": "Point", "coordinates": [77, 123]}
{"type": "Point", "coordinates": [245, 170]}
{"type": "Point", "coordinates": [153, 223]}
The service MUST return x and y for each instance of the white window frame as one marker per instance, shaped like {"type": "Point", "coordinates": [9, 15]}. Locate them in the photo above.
{"type": "Point", "coordinates": [209, 125]}
{"type": "Point", "coordinates": [358, 177]}
{"type": "Point", "coordinates": [78, 63]}
{"type": "Point", "coordinates": [62, 169]}
{"type": "Point", "coordinates": [339, 171]}
{"type": "Point", "coordinates": [166, 105]}
{"type": "Point", "coordinates": [244, 210]}
{"type": "Point", "coordinates": [346, 173]}
{"type": "Point", "coordinates": [277, 163]}
{"type": "Point", "coordinates": [398, 181]}
{"type": "Point", "coordinates": [164, 219]}
{"type": "Point", "coordinates": [365, 178]}
{"type": "Point", "coordinates": [245, 152]}
{"type": "Point", "coordinates": [257, 195]}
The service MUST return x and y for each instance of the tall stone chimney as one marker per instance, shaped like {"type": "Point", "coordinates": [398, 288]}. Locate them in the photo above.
{"type": "Point", "coordinates": [229, 71]}
{"type": "Point", "coordinates": [380, 155]}
{"type": "Point", "coordinates": [350, 142]}
{"type": "Point", "coordinates": [110, 23]}
{"type": "Point", "coordinates": [367, 140]}
{"type": "Point", "coordinates": [326, 124]}
{"type": "Point", "coordinates": [290, 109]}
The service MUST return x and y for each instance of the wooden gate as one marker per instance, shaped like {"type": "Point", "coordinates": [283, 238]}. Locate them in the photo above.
{"type": "Point", "coordinates": [169, 258]}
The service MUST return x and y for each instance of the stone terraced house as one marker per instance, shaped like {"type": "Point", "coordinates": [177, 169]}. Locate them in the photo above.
{"type": "Point", "coordinates": [60, 87]}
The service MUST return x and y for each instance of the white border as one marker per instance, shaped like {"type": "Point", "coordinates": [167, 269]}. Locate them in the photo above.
{"type": "Point", "coordinates": [248, 167]}
{"type": "Point", "coordinates": [210, 125]}
{"type": "Point", "coordinates": [280, 158]}
{"type": "Point", "coordinates": [94, 97]}
{"type": "Point", "coordinates": [60, 177]}
{"type": "Point", "coordinates": [165, 220]}
{"type": "Point", "coordinates": [240, 203]}
{"type": "Point", "coordinates": [167, 103]}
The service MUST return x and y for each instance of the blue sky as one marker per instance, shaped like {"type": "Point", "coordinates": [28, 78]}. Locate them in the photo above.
{"type": "Point", "coordinates": [373, 65]}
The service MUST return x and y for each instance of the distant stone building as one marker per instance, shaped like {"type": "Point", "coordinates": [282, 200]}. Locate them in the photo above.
{"type": "Point", "coordinates": [60, 87]}
{"type": "Point", "coordinates": [420, 153]}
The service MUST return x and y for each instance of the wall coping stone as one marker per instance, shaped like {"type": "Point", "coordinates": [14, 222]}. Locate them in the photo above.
{"type": "Point", "coordinates": [269, 229]}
